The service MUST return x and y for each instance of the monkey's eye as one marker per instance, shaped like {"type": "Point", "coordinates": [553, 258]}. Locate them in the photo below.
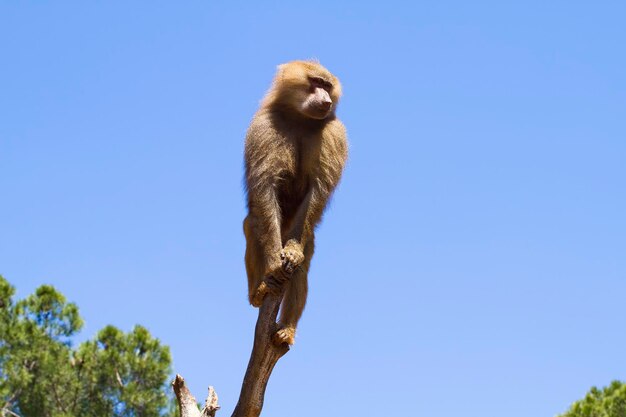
{"type": "Point", "coordinates": [320, 82]}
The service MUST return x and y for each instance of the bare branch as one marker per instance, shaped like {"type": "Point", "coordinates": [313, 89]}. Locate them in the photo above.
{"type": "Point", "coordinates": [262, 359]}
{"type": "Point", "coordinates": [186, 402]}
{"type": "Point", "coordinates": [7, 411]}
{"type": "Point", "coordinates": [119, 379]}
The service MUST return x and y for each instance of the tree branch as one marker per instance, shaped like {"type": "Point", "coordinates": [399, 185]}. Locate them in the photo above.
{"type": "Point", "coordinates": [187, 402]}
{"type": "Point", "coordinates": [7, 411]}
{"type": "Point", "coordinates": [262, 360]}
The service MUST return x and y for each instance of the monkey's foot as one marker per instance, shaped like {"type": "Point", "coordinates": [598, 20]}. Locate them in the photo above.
{"type": "Point", "coordinates": [291, 256]}
{"type": "Point", "coordinates": [257, 299]}
{"type": "Point", "coordinates": [284, 335]}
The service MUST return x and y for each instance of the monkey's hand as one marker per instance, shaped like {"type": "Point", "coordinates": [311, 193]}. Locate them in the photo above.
{"type": "Point", "coordinates": [273, 283]}
{"type": "Point", "coordinates": [292, 256]}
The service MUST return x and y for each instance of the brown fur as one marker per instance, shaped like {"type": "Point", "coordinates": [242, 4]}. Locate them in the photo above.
{"type": "Point", "coordinates": [294, 155]}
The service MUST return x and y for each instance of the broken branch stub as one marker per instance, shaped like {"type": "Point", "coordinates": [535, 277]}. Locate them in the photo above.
{"type": "Point", "coordinates": [187, 403]}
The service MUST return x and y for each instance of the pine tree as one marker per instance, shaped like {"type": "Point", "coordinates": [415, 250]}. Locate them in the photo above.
{"type": "Point", "coordinates": [606, 402]}
{"type": "Point", "coordinates": [41, 375]}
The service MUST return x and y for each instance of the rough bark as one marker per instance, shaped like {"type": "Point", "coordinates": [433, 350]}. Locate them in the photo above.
{"type": "Point", "coordinates": [262, 360]}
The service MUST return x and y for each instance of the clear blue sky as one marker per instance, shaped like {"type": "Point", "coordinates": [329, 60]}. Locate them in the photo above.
{"type": "Point", "coordinates": [473, 261]}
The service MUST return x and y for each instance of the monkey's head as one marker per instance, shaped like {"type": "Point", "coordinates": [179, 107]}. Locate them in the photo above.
{"type": "Point", "coordinates": [305, 87]}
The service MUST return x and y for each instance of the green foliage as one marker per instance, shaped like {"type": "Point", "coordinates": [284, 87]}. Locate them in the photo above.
{"type": "Point", "coordinates": [41, 375]}
{"type": "Point", "coordinates": [606, 402]}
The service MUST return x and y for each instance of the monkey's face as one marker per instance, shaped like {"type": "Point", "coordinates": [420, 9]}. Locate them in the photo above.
{"type": "Point", "coordinates": [317, 103]}
{"type": "Point", "coordinates": [306, 87]}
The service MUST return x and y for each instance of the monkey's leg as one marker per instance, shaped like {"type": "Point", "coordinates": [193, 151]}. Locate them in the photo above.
{"type": "Point", "coordinates": [254, 266]}
{"type": "Point", "coordinates": [292, 307]}
{"type": "Point", "coordinates": [294, 300]}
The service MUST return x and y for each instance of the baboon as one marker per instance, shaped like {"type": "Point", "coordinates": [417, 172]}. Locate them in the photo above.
{"type": "Point", "coordinates": [295, 153]}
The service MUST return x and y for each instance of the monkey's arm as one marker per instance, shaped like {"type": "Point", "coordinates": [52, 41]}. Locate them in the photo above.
{"type": "Point", "coordinates": [261, 177]}
{"type": "Point", "coordinates": [265, 211]}
{"type": "Point", "coordinates": [333, 155]}
{"type": "Point", "coordinates": [308, 215]}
